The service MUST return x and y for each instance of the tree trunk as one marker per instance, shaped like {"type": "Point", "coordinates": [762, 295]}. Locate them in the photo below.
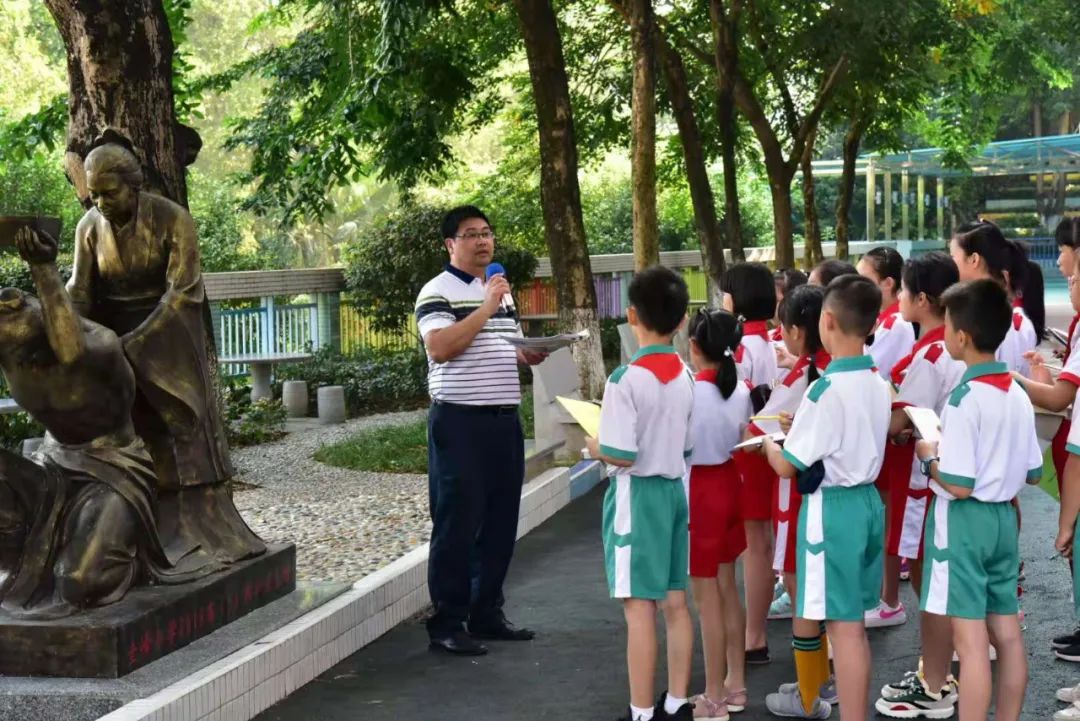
{"type": "Point", "coordinates": [783, 226]}
{"type": "Point", "coordinates": [697, 174]}
{"type": "Point", "coordinates": [852, 140]}
{"type": "Point", "coordinates": [560, 195]}
{"type": "Point", "coordinates": [119, 58]}
{"type": "Point", "coordinates": [727, 61]}
{"type": "Point", "coordinates": [646, 229]}
{"type": "Point", "coordinates": [811, 228]}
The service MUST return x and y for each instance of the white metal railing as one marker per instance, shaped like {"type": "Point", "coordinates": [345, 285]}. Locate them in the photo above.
{"type": "Point", "coordinates": [268, 329]}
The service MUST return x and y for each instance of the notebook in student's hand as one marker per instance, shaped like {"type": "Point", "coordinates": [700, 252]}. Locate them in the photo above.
{"type": "Point", "coordinates": [758, 440]}
{"type": "Point", "coordinates": [926, 422]}
{"type": "Point", "coordinates": [585, 413]}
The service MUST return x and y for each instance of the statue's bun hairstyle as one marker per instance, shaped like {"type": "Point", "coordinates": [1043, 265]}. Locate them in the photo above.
{"type": "Point", "coordinates": [113, 153]}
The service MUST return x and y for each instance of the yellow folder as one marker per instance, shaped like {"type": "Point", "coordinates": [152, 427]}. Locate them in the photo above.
{"type": "Point", "coordinates": [585, 413]}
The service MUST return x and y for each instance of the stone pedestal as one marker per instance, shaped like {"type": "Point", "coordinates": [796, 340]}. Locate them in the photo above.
{"type": "Point", "coordinates": [151, 622]}
{"type": "Point", "coordinates": [294, 396]}
{"type": "Point", "coordinates": [331, 402]}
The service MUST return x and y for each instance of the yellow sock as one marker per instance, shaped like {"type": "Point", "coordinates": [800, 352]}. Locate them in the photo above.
{"type": "Point", "coordinates": [823, 656]}
{"type": "Point", "coordinates": [808, 669]}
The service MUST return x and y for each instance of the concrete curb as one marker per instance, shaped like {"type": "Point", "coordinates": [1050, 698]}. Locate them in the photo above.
{"type": "Point", "coordinates": [254, 678]}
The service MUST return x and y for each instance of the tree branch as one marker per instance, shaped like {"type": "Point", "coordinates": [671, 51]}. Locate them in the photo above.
{"type": "Point", "coordinates": [790, 114]}
{"type": "Point", "coordinates": [810, 122]}
{"type": "Point", "coordinates": [703, 56]}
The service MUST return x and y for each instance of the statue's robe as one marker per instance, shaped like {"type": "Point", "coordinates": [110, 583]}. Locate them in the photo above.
{"type": "Point", "coordinates": [145, 283]}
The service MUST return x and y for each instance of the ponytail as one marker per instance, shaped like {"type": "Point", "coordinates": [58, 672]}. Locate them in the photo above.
{"type": "Point", "coordinates": [718, 333]}
{"type": "Point", "coordinates": [1032, 299]}
{"type": "Point", "coordinates": [802, 309]}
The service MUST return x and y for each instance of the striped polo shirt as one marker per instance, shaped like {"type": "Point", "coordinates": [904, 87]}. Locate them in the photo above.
{"type": "Point", "coordinates": [486, 374]}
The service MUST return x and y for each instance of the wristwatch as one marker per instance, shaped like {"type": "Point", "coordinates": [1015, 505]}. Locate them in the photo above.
{"type": "Point", "coordinates": [924, 464]}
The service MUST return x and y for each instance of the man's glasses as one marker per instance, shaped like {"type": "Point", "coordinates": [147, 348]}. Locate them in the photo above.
{"type": "Point", "coordinates": [474, 235]}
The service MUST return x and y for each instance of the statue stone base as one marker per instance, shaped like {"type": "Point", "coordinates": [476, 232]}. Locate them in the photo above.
{"type": "Point", "coordinates": [149, 623]}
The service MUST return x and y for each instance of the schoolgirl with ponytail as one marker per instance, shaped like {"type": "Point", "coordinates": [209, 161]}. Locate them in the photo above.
{"type": "Point", "coordinates": [893, 336]}
{"type": "Point", "coordinates": [980, 250]}
{"type": "Point", "coordinates": [722, 410]}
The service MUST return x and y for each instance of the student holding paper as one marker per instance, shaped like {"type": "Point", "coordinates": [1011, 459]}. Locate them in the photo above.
{"type": "Point", "coordinates": [924, 380]}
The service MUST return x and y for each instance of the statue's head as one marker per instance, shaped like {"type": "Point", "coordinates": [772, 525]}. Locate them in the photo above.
{"type": "Point", "coordinates": [114, 178]}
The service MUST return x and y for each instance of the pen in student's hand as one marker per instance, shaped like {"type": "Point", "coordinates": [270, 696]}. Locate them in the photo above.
{"type": "Point", "coordinates": [764, 418]}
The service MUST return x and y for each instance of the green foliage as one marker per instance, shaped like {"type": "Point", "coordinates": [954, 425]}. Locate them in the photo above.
{"type": "Point", "coordinates": [17, 427]}
{"type": "Point", "coordinates": [214, 205]}
{"type": "Point", "coordinates": [383, 449]}
{"type": "Point", "coordinates": [386, 267]}
{"type": "Point", "coordinates": [374, 381]}
{"type": "Point", "coordinates": [262, 422]}
{"type": "Point", "coordinates": [36, 185]}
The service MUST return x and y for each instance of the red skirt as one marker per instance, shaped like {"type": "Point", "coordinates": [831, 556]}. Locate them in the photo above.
{"type": "Point", "coordinates": [758, 479]}
{"type": "Point", "coordinates": [716, 527]}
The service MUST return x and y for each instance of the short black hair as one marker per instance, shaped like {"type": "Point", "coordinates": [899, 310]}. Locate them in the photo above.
{"type": "Point", "coordinates": [931, 273]}
{"type": "Point", "coordinates": [790, 278]}
{"type": "Point", "coordinates": [752, 290]}
{"type": "Point", "coordinates": [456, 216]}
{"type": "Point", "coordinates": [855, 301]}
{"type": "Point", "coordinates": [887, 263]}
{"type": "Point", "coordinates": [1068, 232]}
{"type": "Point", "coordinates": [981, 309]}
{"type": "Point", "coordinates": [828, 270]}
{"type": "Point", "coordinates": [660, 297]}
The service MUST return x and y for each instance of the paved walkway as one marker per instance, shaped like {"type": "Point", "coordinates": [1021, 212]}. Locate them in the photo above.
{"type": "Point", "coordinates": [575, 669]}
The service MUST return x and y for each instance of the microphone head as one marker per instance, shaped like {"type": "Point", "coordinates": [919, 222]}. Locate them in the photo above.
{"type": "Point", "coordinates": [494, 269]}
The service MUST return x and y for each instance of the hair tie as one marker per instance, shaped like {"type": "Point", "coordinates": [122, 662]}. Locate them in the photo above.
{"type": "Point", "coordinates": [728, 353]}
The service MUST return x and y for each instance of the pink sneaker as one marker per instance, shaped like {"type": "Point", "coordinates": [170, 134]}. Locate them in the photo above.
{"type": "Point", "coordinates": [883, 615]}
{"type": "Point", "coordinates": [706, 709]}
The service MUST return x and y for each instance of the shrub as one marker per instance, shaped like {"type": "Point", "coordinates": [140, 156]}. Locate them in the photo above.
{"type": "Point", "coordinates": [386, 267]}
{"type": "Point", "coordinates": [374, 380]}
{"type": "Point", "coordinates": [263, 421]}
{"type": "Point", "coordinates": [16, 428]}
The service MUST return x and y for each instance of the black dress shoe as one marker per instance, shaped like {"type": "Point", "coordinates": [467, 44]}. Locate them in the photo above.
{"type": "Point", "coordinates": [499, 629]}
{"type": "Point", "coordinates": [458, 644]}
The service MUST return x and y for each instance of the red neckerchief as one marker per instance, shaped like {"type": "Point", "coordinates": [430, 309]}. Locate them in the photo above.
{"type": "Point", "coordinates": [777, 334]}
{"type": "Point", "coordinates": [1072, 329]}
{"type": "Point", "coordinates": [665, 366]}
{"type": "Point", "coordinates": [891, 310]}
{"type": "Point", "coordinates": [708, 375]}
{"type": "Point", "coordinates": [927, 338]}
{"type": "Point", "coordinates": [756, 327]}
{"type": "Point", "coordinates": [1001, 381]}
{"type": "Point", "coordinates": [1018, 302]}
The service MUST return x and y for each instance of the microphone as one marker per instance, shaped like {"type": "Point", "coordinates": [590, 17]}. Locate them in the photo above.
{"type": "Point", "coordinates": [494, 269]}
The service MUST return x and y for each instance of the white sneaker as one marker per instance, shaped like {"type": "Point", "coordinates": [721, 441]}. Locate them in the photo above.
{"type": "Point", "coordinates": [1070, 694]}
{"type": "Point", "coordinates": [780, 607]}
{"type": "Point", "coordinates": [884, 615]}
{"type": "Point", "coordinates": [1069, 713]}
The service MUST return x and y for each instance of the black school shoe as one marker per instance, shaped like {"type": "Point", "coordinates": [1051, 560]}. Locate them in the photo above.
{"type": "Point", "coordinates": [458, 643]}
{"type": "Point", "coordinates": [497, 628]}
{"type": "Point", "coordinates": [1069, 653]}
{"type": "Point", "coordinates": [758, 656]}
{"type": "Point", "coordinates": [685, 712]}
{"type": "Point", "coordinates": [1070, 639]}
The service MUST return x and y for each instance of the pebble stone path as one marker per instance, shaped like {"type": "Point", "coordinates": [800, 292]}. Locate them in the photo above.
{"type": "Point", "coordinates": [345, 524]}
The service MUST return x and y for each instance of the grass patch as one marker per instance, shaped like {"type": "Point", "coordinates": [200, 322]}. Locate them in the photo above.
{"type": "Point", "coordinates": [527, 412]}
{"type": "Point", "coordinates": [387, 449]}
{"type": "Point", "coordinates": [1049, 476]}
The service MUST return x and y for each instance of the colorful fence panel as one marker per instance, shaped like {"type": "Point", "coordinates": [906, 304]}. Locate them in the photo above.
{"type": "Point", "coordinates": [357, 333]}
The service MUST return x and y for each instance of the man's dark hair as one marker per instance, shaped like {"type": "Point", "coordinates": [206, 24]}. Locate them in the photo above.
{"type": "Point", "coordinates": [827, 270]}
{"type": "Point", "coordinates": [660, 297]}
{"type": "Point", "coordinates": [453, 220]}
{"type": "Point", "coordinates": [752, 290]}
{"type": "Point", "coordinates": [855, 301]}
{"type": "Point", "coordinates": [981, 309]}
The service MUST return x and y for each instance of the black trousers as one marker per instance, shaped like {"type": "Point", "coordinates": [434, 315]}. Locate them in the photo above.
{"type": "Point", "coordinates": [476, 467]}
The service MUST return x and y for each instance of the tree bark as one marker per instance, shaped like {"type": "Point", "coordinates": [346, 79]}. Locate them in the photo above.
{"type": "Point", "coordinates": [852, 141]}
{"type": "Point", "coordinates": [727, 66]}
{"type": "Point", "coordinates": [646, 229]}
{"type": "Point", "coordinates": [697, 175]}
{"type": "Point", "coordinates": [811, 228]}
{"type": "Point", "coordinates": [119, 58]}
{"type": "Point", "coordinates": [560, 195]}
{"type": "Point", "coordinates": [783, 224]}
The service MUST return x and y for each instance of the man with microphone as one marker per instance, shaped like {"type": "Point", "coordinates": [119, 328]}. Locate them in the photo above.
{"type": "Point", "coordinates": [476, 455]}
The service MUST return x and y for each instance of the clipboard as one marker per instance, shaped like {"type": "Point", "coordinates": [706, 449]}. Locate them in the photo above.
{"type": "Point", "coordinates": [926, 422]}
{"type": "Point", "coordinates": [756, 441]}
{"type": "Point", "coordinates": [585, 413]}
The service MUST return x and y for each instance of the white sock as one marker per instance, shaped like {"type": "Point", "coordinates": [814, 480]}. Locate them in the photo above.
{"type": "Point", "coordinates": [672, 704]}
{"type": "Point", "coordinates": [640, 714]}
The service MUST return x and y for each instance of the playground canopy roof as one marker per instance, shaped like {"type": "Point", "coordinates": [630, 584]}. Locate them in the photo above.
{"type": "Point", "coordinates": [1051, 154]}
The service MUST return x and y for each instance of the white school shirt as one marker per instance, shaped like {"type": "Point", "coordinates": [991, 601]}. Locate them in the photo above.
{"type": "Point", "coordinates": [893, 339]}
{"type": "Point", "coordinates": [988, 440]}
{"type": "Point", "coordinates": [645, 416]}
{"type": "Point", "coordinates": [755, 356]}
{"type": "Point", "coordinates": [789, 392]}
{"type": "Point", "coordinates": [926, 382]}
{"type": "Point", "coordinates": [843, 421]}
{"type": "Point", "coordinates": [1019, 340]}
{"type": "Point", "coordinates": [717, 423]}
{"type": "Point", "coordinates": [1071, 374]}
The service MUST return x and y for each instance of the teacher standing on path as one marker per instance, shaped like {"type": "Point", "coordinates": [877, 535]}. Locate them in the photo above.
{"type": "Point", "coordinates": [476, 454]}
